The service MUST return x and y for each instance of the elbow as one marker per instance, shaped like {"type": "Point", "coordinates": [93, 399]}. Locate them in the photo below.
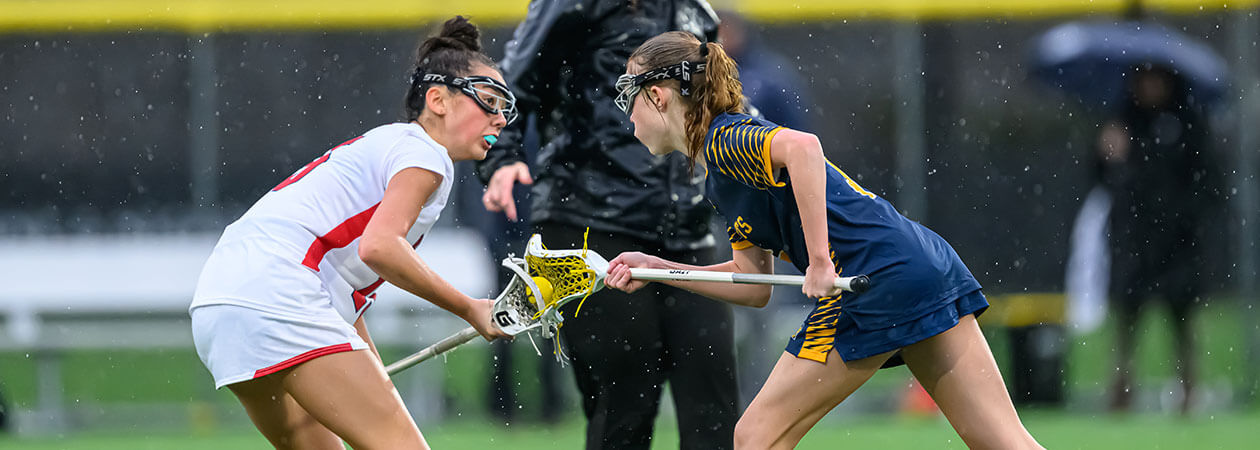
{"type": "Point", "coordinates": [373, 252]}
{"type": "Point", "coordinates": [811, 141]}
{"type": "Point", "coordinates": [814, 147]}
{"type": "Point", "coordinates": [760, 297]}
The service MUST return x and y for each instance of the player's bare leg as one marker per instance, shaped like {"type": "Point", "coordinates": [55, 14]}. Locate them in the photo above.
{"type": "Point", "coordinates": [280, 419]}
{"type": "Point", "coordinates": [957, 368]}
{"type": "Point", "coordinates": [798, 393]}
{"type": "Point", "coordinates": [350, 394]}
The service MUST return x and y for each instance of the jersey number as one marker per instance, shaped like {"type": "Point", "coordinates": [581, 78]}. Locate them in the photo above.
{"type": "Point", "coordinates": [311, 166]}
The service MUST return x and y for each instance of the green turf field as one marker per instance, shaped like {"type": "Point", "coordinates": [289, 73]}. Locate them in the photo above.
{"type": "Point", "coordinates": [1054, 430]}
{"type": "Point", "coordinates": [104, 388]}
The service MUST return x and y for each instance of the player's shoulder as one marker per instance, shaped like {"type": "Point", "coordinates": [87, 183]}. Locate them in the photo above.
{"type": "Point", "coordinates": [728, 122]}
{"type": "Point", "coordinates": [403, 131]}
{"type": "Point", "coordinates": [406, 136]}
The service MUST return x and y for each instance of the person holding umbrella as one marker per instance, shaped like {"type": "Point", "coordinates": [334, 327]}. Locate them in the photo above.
{"type": "Point", "coordinates": [1155, 162]}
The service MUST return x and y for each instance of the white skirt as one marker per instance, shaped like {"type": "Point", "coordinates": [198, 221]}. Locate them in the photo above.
{"type": "Point", "coordinates": [239, 343]}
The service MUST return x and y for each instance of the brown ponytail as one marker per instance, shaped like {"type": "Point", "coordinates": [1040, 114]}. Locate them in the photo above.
{"type": "Point", "coordinates": [715, 91]}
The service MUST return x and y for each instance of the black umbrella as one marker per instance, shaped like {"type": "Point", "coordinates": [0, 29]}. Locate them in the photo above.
{"type": "Point", "coordinates": [1091, 60]}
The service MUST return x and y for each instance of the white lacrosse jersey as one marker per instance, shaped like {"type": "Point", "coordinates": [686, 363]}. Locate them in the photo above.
{"type": "Point", "coordinates": [297, 247]}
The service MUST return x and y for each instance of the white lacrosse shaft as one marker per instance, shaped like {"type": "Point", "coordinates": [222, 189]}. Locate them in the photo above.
{"type": "Point", "coordinates": [858, 283]}
{"type": "Point", "coordinates": [442, 346]}
{"type": "Point", "coordinates": [508, 318]}
{"type": "Point", "coordinates": [504, 313]}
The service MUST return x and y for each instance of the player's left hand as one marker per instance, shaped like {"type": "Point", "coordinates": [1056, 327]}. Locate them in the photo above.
{"type": "Point", "coordinates": [820, 281]}
{"type": "Point", "coordinates": [619, 270]}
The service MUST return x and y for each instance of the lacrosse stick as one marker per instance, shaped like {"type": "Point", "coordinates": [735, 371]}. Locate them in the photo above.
{"type": "Point", "coordinates": [856, 284]}
{"type": "Point", "coordinates": [541, 283]}
{"type": "Point", "coordinates": [511, 311]}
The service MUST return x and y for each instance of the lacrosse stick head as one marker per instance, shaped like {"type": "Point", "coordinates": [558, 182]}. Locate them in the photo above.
{"type": "Point", "coordinates": [573, 274]}
{"type": "Point", "coordinates": [513, 310]}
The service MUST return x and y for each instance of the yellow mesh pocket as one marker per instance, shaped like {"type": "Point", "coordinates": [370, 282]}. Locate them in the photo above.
{"type": "Point", "coordinates": [570, 275]}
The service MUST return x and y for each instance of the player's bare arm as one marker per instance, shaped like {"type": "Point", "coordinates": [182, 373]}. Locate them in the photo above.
{"type": "Point", "coordinates": [749, 260]}
{"type": "Point", "coordinates": [801, 153]}
{"type": "Point", "coordinates": [385, 249]}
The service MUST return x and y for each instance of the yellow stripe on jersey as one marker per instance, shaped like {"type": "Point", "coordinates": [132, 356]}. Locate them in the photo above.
{"type": "Point", "coordinates": [820, 330]}
{"type": "Point", "coordinates": [739, 238]}
{"type": "Point", "coordinates": [852, 184]}
{"type": "Point", "coordinates": [742, 152]}
{"type": "Point", "coordinates": [765, 156]}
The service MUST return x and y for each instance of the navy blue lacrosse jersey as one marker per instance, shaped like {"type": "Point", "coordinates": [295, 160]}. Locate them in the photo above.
{"type": "Point", "coordinates": [913, 270]}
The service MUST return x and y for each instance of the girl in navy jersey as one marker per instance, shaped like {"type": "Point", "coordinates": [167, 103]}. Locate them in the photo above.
{"type": "Point", "coordinates": [781, 197]}
{"type": "Point", "coordinates": [277, 316]}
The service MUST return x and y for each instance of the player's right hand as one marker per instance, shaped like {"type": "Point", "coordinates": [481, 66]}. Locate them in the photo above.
{"type": "Point", "coordinates": [619, 270]}
{"type": "Point", "coordinates": [498, 196]}
{"type": "Point", "coordinates": [820, 281]}
{"type": "Point", "coordinates": [479, 316]}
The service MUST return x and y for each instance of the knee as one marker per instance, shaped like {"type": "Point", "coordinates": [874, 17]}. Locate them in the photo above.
{"type": "Point", "coordinates": [750, 436]}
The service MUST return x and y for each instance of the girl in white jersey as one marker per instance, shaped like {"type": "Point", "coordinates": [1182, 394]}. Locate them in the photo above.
{"type": "Point", "coordinates": [277, 315]}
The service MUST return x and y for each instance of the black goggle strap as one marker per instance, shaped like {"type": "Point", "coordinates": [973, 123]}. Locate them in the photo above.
{"type": "Point", "coordinates": [629, 85]}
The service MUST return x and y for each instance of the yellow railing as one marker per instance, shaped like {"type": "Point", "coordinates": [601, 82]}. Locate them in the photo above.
{"type": "Point", "coordinates": [1021, 310]}
{"type": "Point", "coordinates": [208, 15]}
{"type": "Point", "coordinates": [816, 10]}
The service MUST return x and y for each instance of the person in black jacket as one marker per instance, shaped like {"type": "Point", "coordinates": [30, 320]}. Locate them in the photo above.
{"type": "Point", "coordinates": [592, 172]}
{"type": "Point", "coordinates": [1156, 162]}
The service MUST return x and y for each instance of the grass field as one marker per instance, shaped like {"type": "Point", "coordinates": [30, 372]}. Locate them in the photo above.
{"type": "Point", "coordinates": [1054, 430]}
{"type": "Point", "coordinates": [99, 385]}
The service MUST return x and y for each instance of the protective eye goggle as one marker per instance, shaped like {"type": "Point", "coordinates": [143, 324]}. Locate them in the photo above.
{"type": "Point", "coordinates": [491, 95]}
{"type": "Point", "coordinates": [628, 86]}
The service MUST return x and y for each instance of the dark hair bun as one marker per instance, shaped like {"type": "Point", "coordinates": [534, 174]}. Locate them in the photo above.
{"type": "Point", "coordinates": [453, 51]}
{"type": "Point", "coordinates": [457, 34]}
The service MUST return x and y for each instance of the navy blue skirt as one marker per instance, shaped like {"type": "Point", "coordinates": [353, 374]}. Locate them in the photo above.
{"type": "Point", "coordinates": [827, 328]}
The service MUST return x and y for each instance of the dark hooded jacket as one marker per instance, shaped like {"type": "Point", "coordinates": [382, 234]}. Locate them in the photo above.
{"type": "Point", "coordinates": [562, 64]}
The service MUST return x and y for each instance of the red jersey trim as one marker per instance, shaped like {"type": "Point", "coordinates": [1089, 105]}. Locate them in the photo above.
{"type": "Point", "coordinates": [362, 295]}
{"type": "Point", "coordinates": [339, 237]}
{"type": "Point", "coordinates": [299, 359]}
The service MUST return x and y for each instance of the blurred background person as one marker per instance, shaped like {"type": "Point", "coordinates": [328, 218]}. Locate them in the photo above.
{"type": "Point", "coordinates": [772, 82]}
{"type": "Point", "coordinates": [591, 172]}
{"type": "Point", "coordinates": [4, 414]}
{"type": "Point", "coordinates": [1156, 160]}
